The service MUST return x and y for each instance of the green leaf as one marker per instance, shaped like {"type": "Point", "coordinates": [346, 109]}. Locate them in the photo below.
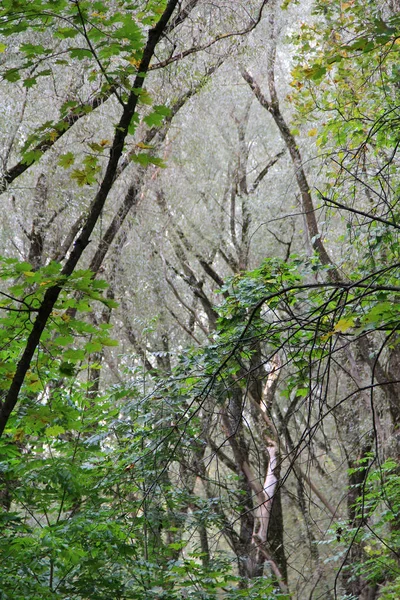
{"type": "Point", "coordinates": [146, 159]}
{"type": "Point", "coordinates": [66, 160]}
{"type": "Point", "coordinates": [30, 82]}
{"type": "Point", "coordinates": [108, 342]}
{"type": "Point", "coordinates": [22, 267]}
{"type": "Point", "coordinates": [83, 177]}
{"type": "Point", "coordinates": [156, 118]}
{"type": "Point", "coordinates": [67, 369]}
{"type": "Point", "coordinates": [32, 156]}
{"type": "Point", "coordinates": [316, 72]}
{"type": "Point", "coordinates": [74, 355]}
{"type": "Point", "coordinates": [66, 32]}
{"type": "Point", "coordinates": [93, 347]}
{"type": "Point", "coordinates": [109, 50]}
{"type": "Point", "coordinates": [162, 110]}
{"type": "Point", "coordinates": [33, 49]}
{"type": "Point", "coordinates": [80, 53]}
{"type": "Point", "coordinates": [12, 75]}
{"type": "Point", "coordinates": [54, 431]}
{"type": "Point", "coordinates": [302, 392]}
{"type": "Point", "coordinates": [143, 95]}
{"type": "Point", "coordinates": [131, 31]}
{"type": "Point", "coordinates": [64, 340]}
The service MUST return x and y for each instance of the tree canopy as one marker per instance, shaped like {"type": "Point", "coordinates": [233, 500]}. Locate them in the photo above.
{"type": "Point", "coordinates": [199, 300]}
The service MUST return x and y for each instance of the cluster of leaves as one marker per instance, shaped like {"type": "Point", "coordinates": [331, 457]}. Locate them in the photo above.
{"type": "Point", "coordinates": [379, 504]}
{"type": "Point", "coordinates": [109, 38]}
{"type": "Point", "coordinates": [95, 511]}
{"type": "Point", "coordinates": [67, 342]}
{"type": "Point", "coordinates": [281, 306]}
{"type": "Point", "coordinates": [89, 505]}
{"type": "Point", "coordinates": [346, 82]}
{"type": "Point", "coordinates": [355, 34]}
{"type": "Point", "coordinates": [375, 530]}
{"type": "Point", "coordinates": [98, 31]}
{"type": "Point", "coordinates": [104, 498]}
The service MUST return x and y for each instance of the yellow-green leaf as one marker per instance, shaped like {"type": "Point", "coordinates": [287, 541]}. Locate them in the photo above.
{"type": "Point", "coordinates": [54, 431]}
{"type": "Point", "coordinates": [344, 325]}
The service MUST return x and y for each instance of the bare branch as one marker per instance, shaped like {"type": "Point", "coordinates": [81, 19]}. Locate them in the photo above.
{"type": "Point", "coordinates": [200, 47]}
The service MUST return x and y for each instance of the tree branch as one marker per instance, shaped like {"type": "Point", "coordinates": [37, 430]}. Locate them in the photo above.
{"type": "Point", "coordinates": [52, 294]}
{"type": "Point", "coordinates": [60, 128]}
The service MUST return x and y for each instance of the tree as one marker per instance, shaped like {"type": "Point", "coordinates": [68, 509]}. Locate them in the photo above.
{"type": "Point", "coordinates": [269, 447]}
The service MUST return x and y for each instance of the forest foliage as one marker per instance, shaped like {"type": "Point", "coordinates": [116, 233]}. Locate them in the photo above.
{"type": "Point", "coordinates": [200, 392]}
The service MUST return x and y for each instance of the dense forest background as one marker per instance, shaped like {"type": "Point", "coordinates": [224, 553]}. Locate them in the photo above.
{"type": "Point", "coordinates": [199, 300]}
